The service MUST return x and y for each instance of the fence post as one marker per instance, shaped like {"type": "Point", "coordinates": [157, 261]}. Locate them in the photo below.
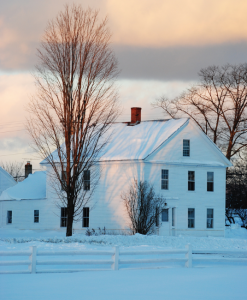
{"type": "Point", "coordinates": [32, 257]}
{"type": "Point", "coordinates": [115, 258]}
{"type": "Point", "coordinates": [188, 255]}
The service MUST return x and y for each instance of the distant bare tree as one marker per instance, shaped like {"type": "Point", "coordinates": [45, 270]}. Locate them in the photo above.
{"type": "Point", "coordinates": [143, 207]}
{"type": "Point", "coordinates": [75, 105]}
{"type": "Point", "coordinates": [218, 105]}
{"type": "Point", "coordinates": [15, 169]}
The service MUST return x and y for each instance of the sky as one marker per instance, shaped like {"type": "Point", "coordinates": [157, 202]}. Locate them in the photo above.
{"type": "Point", "coordinates": [160, 45]}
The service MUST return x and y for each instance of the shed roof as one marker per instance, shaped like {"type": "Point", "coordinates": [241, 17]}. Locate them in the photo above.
{"type": "Point", "coordinates": [33, 187]}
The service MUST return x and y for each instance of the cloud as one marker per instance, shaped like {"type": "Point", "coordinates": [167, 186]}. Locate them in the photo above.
{"type": "Point", "coordinates": [176, 63]}
{"type": "Point", "coordinates": [160, 23]}
{"type": "Point", "coordinates": [171, 29]}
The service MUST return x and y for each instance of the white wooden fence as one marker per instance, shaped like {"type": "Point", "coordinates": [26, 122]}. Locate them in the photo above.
{"type": "Point", "coordinates": [115, 261]}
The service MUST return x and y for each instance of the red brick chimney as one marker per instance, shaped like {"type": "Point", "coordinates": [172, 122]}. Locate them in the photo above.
{"type": "Point", "coordinates": [28, 169]}
{"type": "Point", "coordinates": [136, 114]}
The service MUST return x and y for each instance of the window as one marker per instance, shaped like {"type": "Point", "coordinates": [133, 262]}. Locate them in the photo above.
{"type": "Point", "coordinates": [191, 218]}
{"type": "Point", "coordinates": [85, 218]}
{"type": "Point", "coordinates": [9, 217]}
{"type": "Point", "coordinates": [165, 215]}
{"type": "Point", "coordinates": [191, 180]}
{"type": "Point", "coordinates": [210, 218]}
{"type": "Point", "coordinates": [173, 216]}
{"type": "Point", "coordinates": [164, 179]}
{"type": "Point", "coordinates": [86, 178]}
{"type": "Point", "coordinates": [63, 177]}
{"type": "Point", "coordinates": [210, 181]}
{"type": "Point", "coordinates": [63, 216]}
{"type": "Point", "coordinates": [36, 216]}
{"type": "Point", "coordinates": [186, 147]}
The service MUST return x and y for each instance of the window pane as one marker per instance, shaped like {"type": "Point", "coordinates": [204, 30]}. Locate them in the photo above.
{"type": "Point", "coordinates": [210, 186]}
{"type": "Point", "coordinates": [210, 213]}
{"type": "Point", "coordinates": [164, 174]}
{"type": "Point", "coordinates": [191, 175]}
{"type": "Point", "coordinates": [9, 216]}
{"type": "Point", "coordinates": [186, 147]}
{"type": "Point", "coordinates": [165, 215]}
{"type": "Point", "coordinates": [209, 223]}
{"type": "Point", "coordinates": [36, 216]}
{"type": "Point", "coordinates": [87, 175]}
{"type": "Point", "coordinates": [191, 213]}
{"type": "Point", "coordinates": [63, 216]}
{"type": "Point", "coordinates": [210, 176]}
{"type": "Point", "coordinates": [85, 220]}
{"type": "Point", "coordinates": [164, 184]}
{"type": "Point", "coordinates": [191, 223]}
{"type": "Point", "coordinates": [191, 186]}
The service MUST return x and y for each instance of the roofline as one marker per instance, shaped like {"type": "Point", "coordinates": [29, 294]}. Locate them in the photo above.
{"type": "Point", "coordinates": [171, 136]}
{"type": "Point", "coordinates": [227, 161]}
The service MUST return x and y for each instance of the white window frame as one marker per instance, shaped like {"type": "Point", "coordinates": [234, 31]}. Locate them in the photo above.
{"type": "Point", "coordinates": [210, 181]}
{"type": "Point", "coordinates": [7, 221]}
{"type": "Point", "coordinates": [85, 217]}
{"type": "Point", "coordinates": [209, 218]}
{"type": "Point", "coordinates": [34, 216]}
{"type": "Point", "coordinates": [190, 218]}
{"type": "Point", "coordinates": [186, 148]}
{"type": "Point", "coordinates": [165, 181]}
{"type": "Point", "coordinates": [194, 181]}
{"type": "Point", "coordinates": [86, 180]}
{"type": "Point", "coordinates": [62, 217]}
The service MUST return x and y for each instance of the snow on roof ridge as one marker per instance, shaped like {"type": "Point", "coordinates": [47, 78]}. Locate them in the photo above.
{"type": "Point", "coordinates": [33, 187]}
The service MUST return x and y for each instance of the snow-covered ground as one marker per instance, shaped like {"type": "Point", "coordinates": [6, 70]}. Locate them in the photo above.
{"type": "Point", "coordinates": [169, 284]}
{"type": "Point", "coordinates": [235, 239]}
{"type": "Point", "coordinates": [216, 282]}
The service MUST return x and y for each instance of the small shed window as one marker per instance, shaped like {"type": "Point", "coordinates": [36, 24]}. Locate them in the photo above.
{"type": "Point", "coordinates": [191, 218]}
{"type": "Point", "coordinates": [210, 181]}
{"type": "Point", "coordinates": [63, 221]}
{"type": "Point", "coordinates": [191, 180]}
{"type": "Point", "coordinates": [210, 218]}
{"type": "Point", "coordinates": [36, 216]}
{"type": "Point", "coordinates": [9, 217]}
{"type": "Point", "coordinates": [85, 219]}
{"type": "Point", "coordinates": [186, 147]}
{"type": "Point", "coordinates": [164, 179]}
{"type": "Point", "coordinates": [86, 179]}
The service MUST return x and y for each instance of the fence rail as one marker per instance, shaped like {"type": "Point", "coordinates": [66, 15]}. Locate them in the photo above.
{"type": "Point", "coordinates": [115, 261]}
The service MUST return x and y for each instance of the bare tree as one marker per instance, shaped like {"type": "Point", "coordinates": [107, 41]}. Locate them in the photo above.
{"type": "Point", "coordinates": [15, 169]}
{"type": "Point", "coordinates": [218, 104]}
{"type": "Point", "coordinates": [75, 104]}
{"type": "Point", "coordinates": [143, 207]}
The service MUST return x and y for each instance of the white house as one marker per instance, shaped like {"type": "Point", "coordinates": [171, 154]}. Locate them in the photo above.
{"type": "Point", "coordinates": [182, 163]}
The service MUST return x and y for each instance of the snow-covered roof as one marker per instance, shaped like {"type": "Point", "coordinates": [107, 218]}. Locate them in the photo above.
{"type": "Point", "coordinates": [33, 187]}
{"type": "Point", "coordinates": [139, 141]}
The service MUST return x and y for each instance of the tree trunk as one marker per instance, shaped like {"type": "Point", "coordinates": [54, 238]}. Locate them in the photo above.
{"type": "Point", "coordinates": [69, 225]}
{"type": "Point", "coordinates": [70, 218]}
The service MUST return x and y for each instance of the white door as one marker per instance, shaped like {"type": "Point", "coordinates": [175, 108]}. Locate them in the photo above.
{"type": "Point", "coordinates": [165, 222]}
